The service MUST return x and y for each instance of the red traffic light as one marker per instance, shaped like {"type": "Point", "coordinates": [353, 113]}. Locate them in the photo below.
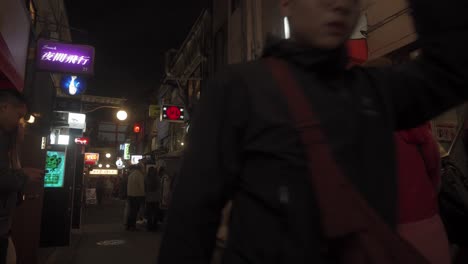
{"type": "Point", "coordinates": [136, 128]}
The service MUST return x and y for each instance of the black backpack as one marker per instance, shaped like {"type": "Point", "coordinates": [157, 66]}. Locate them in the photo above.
{"type": "Point", "coordinates": [453, 202]}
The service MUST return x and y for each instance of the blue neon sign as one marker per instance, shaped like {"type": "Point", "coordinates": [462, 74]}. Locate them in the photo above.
{"type": "Point", "coordinates": [73, 85]}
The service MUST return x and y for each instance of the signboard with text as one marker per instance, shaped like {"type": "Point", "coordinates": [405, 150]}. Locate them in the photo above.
{"type": "Point", "coordinates": [127, 151]}
{"type": "Point", "coordinates": [153, 111]}
{"type": "Point", "coordinates": [103, 172]}
{"type": "Point", "coordinates": [55, 169]}
{"type": "Point", "coordinates": [136, 159]}
{"type": "Point", "coordinates": [82, 141]}
{"type": "Point", "coordinates": [91, 196]}
{"type": "Point", "coordinates": [53, 56]}
{"type": "Point", "coordinates": [77, 121]}
{"type": "Point", "coordinates": [446, 132]}
{"type": "Point", "coordinates": [91, 158]}
{"type": "Point", "coordinates": [173, 113]}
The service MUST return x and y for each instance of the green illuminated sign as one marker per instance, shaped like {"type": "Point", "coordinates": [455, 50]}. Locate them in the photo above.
{"type": "Point", "coordinates": [127, 152]}
{"type": "Point", "coordinates": [55, 169]}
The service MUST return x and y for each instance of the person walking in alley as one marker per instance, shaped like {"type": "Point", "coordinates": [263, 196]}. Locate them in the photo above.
{"type": "Point", "coordinates": [304, 146]}
{"type": "Point", "coordinates": [166, 191]}
{"type": "Point", "coordinates": [100, 189]}
{"type": "Point", "coordinates": [123, 195]}
{"type": "Point", "coordinates": [419, 179]}
{"type": "Point", "coordinates": [135, 195]}
{"type": "Point", "coordinates": [153, 197]}
{"type": "Point", "coordinates": [13, 178]}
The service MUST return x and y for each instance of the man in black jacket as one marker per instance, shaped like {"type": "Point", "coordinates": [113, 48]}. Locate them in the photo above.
{"type": "Point", "coordinates": [12, 179]}
{"type": "Point", "coordinates": [243, 144]}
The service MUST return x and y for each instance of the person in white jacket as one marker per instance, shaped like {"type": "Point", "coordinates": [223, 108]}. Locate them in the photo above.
{"type": "Point", "coordinates": [135, 195]}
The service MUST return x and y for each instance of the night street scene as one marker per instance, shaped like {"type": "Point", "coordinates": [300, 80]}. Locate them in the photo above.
{"type": "Point", "coordinates": [234, 131]}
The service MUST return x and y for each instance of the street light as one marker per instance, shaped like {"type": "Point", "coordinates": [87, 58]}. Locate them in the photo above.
{"type": "Point", "coordinates": [122, 115]}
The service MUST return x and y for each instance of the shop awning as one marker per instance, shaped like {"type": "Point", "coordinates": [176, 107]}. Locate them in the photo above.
{"type": "Point", "coordinates": [9, 77]}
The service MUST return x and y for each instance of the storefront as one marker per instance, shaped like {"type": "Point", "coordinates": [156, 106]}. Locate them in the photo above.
{"type": "Point", "coordinates": [109, 180]}
{"type": "Point", "coordinates": [14, 39]}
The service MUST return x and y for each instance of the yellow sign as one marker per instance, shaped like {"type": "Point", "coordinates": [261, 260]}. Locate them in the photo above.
{"type": "Point", "coordinates": [91, 158]}
{"type": "Point", "coordinates": [154, 111]}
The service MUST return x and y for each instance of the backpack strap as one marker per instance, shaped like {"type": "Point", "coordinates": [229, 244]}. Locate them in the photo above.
{"type": "Point", "coordinates": [346, 218]}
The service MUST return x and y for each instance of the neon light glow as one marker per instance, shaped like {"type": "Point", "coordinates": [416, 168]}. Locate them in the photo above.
{"type": "Point", "coordinates": [61, 57]}
{"type": "Point", "coordinates": [73, 85]}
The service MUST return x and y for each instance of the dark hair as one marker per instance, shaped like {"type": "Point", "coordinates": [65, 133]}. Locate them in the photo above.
{"type": "Point", "coordinates": [12, 96]}
{"type": "Point", "coordinates": [151, 170]}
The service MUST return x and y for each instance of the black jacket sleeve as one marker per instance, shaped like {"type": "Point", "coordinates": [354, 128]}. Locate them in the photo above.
{"type": "Point", "coordinates": [438, 80]}
{"type": "Point", "coordinates": [208, 175]}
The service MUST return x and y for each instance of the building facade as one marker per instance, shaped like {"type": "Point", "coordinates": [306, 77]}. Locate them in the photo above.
{"type": "Point", "coordinates": [186, 72]}
{"type": "Point", "coordinates": [15, 26]}
{"type": "Point", "coordinates": [22, 23]}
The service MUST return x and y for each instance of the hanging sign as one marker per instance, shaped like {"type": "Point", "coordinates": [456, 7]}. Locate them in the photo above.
{"type": "Point", "coordinates": [73, 85]}
{"type": "Point", "coordinates": [82, 141]}
{"type": "Point", "coordinates": [136, 159]}
{"type": "Point", "coordinates": [91, 158]}
{"type": "Point", "coordinates": [127, 151]}
{"type": "Point", "coordinates": [173, 113]}
{"type": "Point", "coordinates": [53, 56]}
{"type": "Point", "coordinates": [77, 121]}
{"type": "Point", "coordinates": [153, 111]}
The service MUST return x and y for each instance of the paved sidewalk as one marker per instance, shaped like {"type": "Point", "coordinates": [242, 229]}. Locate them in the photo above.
{"type": "Point", "coordinates": [104, 240]}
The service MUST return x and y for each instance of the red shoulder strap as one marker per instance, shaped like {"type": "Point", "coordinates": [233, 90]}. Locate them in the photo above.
{"type": "Point", "coordinates": [345, 216]}
{"type": "Point", "coordinates": [326, 177]}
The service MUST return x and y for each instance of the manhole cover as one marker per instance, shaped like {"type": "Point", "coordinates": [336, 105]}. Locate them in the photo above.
{"type": "Point", "coordinates": [111, 243]}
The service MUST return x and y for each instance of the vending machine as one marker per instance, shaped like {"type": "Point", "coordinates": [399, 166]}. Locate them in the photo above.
{"type": "Point", "coordinates": [59, 182]}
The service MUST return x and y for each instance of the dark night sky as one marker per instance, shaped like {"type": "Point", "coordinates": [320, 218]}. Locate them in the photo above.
{"type": "Point", "coordinates": [131, 38]}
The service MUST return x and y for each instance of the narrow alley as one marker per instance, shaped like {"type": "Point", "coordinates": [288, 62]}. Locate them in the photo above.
{"type": "Point", "coordinates": [233, 131]}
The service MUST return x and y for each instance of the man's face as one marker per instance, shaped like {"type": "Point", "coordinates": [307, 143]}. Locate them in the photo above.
{"type": "Point", "coordinates": [324, 24]}
{"type": "Point", "coordinates": [10, 115]}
